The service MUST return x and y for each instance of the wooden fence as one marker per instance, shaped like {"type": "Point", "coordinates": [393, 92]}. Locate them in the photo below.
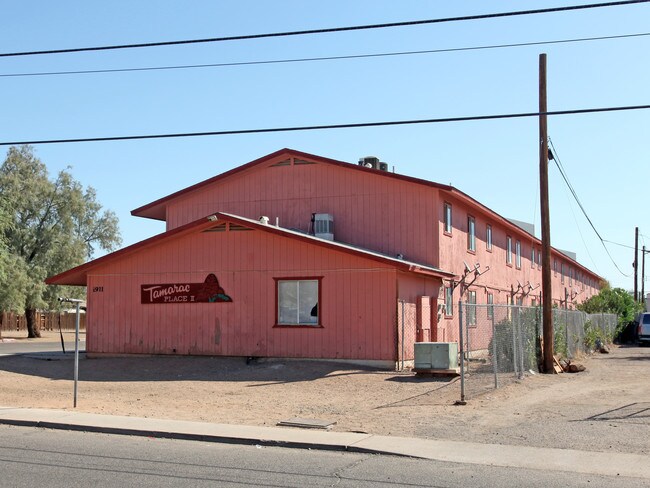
{"type": "Point", "coordinates": [46, 320]}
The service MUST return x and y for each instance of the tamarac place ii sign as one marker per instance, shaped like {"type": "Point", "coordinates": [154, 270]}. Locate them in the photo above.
{"type": "Point", "coordinates": [207, 292]}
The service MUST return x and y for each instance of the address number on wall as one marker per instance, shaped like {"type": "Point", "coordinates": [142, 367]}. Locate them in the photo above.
{"type": "Point", "coordinates": [98, 288]}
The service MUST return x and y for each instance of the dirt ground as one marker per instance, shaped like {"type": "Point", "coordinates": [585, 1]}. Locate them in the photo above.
{"type": "Point", "coordinates": [605, 408]}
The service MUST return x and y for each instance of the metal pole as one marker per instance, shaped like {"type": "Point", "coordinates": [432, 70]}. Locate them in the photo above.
{"type": "Point", "coordinates": [76, 356]}
{"type": "Point", "coordinates": [403, 306]}
{"type": "Point", "coordinates": [513, 325]}
{"type": "Point", "coordinates": [494, 351]}
{"type": "Point", "coordinates": [462, 354]}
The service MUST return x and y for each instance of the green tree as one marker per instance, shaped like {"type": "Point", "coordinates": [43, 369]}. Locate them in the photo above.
{"type": "Point", "coordinates": [46, 227]}
{"type": "Point", "coordinates": [613, 300]}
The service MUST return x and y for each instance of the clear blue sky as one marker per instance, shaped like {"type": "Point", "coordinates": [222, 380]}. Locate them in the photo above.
{"type": "Point", "coordinates": [605, 155]}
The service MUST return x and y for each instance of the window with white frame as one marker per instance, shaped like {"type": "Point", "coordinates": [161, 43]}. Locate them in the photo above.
{"type": "Point", "coordinates": [447, 217]}
{"type": "Point", "coordinates": [298, 301]}
{"type": "Point", "coordinates": [471, 307]}
{"type": "Point", "coordinates": [488, 237]}
{"type": "Point", "coordinates": [518, 254]}
{"type": "Point", "coordinates": [509, 250]}
{"type": "Point", "coordinates": [471, 233]}
{"type": "Point", "coordinates": [449, 301]}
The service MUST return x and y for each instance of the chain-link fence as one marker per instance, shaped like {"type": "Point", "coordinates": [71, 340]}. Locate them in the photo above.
{"type": "Point", "coordinates": [501, 343]}
{"type": "Point", "coordinates": [406, 333]}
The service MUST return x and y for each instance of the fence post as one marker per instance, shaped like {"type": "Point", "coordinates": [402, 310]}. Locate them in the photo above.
{"type": "Point", "coordinates": [495, 366]}
{"type": "Point", "coordinates": [566, 332]}
{"type": "Point", "coordinates": [521, 343]}
{"type": "Point", "coordinates": [403, 303]}
{"type": "Point", "coordinates": [513, 323]}
{"type": "Point", "coordinates": [462, 353]}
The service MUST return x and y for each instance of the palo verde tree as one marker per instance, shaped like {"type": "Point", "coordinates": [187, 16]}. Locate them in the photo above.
{"type": "Point", "coordinates": [46, 227]}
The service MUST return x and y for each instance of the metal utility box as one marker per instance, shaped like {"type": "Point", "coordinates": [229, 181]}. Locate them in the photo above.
{"type": "Point", "coordinates": [436, 356]}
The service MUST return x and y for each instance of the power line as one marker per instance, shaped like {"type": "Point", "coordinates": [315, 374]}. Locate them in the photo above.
{"type": "Point", "coordinates": [327, 127]}
{"type": "Point", "coordinates": [326, 30]}
{"type": "Point", "coordinates": [560, 167]}
{"type": "Point", "coordinates": [322, 58]}
{"type": "Point", "coordinates": [625, 245]}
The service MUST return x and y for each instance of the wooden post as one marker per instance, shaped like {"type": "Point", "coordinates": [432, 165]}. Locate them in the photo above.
{"type": "Point", "coordinates": [642, 298]}
{"type": "Point", "coordinates": [547, 292]}
{"type": "Point", "coordinates": [636, 264]}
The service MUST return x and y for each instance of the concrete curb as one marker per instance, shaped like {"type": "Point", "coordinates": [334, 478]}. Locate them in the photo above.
{"type": "Point", "coordinates": [547, 459]}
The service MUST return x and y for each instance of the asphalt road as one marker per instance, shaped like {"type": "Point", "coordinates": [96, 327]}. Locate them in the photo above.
{"type": "Point", "coordinates": [39, 457]}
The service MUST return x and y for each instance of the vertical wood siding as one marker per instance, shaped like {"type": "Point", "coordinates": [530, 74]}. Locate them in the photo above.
{"type": "Point", "coordinates": [370, 210]}
{"type": "Point", "coordinates": [501, 276]}
{"type": "Point", "coordinates": [357, 306]}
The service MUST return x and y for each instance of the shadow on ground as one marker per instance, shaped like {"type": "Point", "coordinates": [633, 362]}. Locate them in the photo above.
{"type": "Point", "coordinates": [188, 368]}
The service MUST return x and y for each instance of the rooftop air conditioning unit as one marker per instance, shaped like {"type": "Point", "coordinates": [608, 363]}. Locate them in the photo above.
{"type": "Point", "coordinates": [436, 356]}
{"type": "Point", "coordinates": [369, 162]}
{"type": "Point", "coordinates": [323, 226]}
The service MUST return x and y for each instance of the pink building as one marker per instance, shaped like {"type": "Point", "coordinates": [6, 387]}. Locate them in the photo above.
{"type": "Point", "coordinates": [325, 274]}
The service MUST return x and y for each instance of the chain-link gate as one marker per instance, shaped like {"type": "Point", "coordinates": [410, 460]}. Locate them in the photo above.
{"type": "Point", "coordinates": [406, 333]}
{"type": "Point", "coordinates": [499, 343]}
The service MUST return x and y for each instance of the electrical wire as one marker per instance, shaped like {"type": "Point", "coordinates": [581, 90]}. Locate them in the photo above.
{"type": "Point", "coordinates": [322, 58]}
{"type": "Point", "coordinates": [560, 167]}
{"type": "Point", "coordinates": [327, 30]}
{"type": "Point", "coordinates": [326, 127]}
{"type": "Point", "coordinates": [579, 230]}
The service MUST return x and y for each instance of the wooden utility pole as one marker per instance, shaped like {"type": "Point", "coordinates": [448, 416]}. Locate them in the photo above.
{"type": "Point", "coordinates": [642, 275]}
{"type": "Point", "coordinates": [547, 292]}
{"type": "Point", "coordinates": [636, 264]}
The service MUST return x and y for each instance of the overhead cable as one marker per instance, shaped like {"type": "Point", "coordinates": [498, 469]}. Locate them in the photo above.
{"type": "Point", "coordinates": [326, 30]}
{"type": "Point", "coordinates": [560, 167]}
{"type": "Point", "coordinates": [320, 58]}
{"type": "Point", "coordinates": [326, 127]}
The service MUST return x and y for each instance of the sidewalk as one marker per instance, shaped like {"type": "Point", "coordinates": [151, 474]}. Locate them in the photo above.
{"type": "Point", "coordinates": [568, 460]}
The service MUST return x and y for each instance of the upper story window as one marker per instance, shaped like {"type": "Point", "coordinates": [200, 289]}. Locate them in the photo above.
{"type": "Point", "coordinates": [509, 250]}
{"type": "Point", "coordinates": [532, 257]}
{"type": "Point", "coordinates": [555, 267]}
{"type": "Point", "coordinates": [518, 254]}
{"type": "Point", "coordinates": [570, 276]}
{"type": "Point", "coordinates": [539, 258]}
{"type": "Point", "coordinates": [447, 218]}
{"type": "Point", "coordinates": [471, 233]}
{"type": "Point", "coordinates": [562, 272]}
{"type": "Point", "coordinates": [488, 237]}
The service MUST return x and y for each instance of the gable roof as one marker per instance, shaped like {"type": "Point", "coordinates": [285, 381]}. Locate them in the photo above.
{"type": "Point", "coordinates": [77, 276]}
{"type": "Point", "coordinates": [156, 209]}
